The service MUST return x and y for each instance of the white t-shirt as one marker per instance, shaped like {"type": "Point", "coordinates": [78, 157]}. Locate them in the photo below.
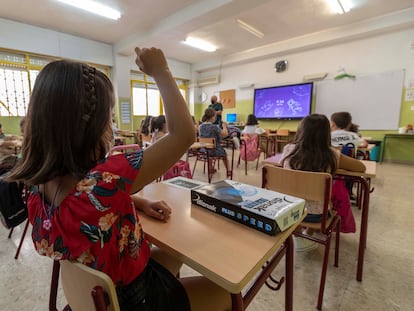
{"type": "Point", "coordinates": [343, 137]}
{"type": "Point", "coordinates": [253, 129]}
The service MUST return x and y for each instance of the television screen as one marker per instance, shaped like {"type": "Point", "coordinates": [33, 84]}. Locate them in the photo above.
{"type": "Point", "coordinates": [286, 102]}
{"type": "Point", "coordinates": [231, 118]}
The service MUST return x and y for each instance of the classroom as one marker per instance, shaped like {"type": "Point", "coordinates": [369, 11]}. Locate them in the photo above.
{"type": "Point", "coordinates": [378, 52]}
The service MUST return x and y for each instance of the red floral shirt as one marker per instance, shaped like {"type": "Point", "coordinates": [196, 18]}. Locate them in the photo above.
{"type": "Point", "coordinates": [96, 223]}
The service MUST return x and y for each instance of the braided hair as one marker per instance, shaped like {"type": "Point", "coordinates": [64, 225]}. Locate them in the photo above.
{"type": "Point", "coordinates": [69, 125]}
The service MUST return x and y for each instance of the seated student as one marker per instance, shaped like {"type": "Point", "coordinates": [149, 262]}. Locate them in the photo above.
{"type": "Point", "coordinates": [85, 206]}
{"type": "Point", "coordinates": [252, 126]}
{"type": "Point", "coordinates": [341, 135]}
{"type": "Point", "coordinates": [158, 128]}
{"type": "Point", "coordinates": [145, 131]}
{"type": "Point", "coordinates": [311, 150]}
{"type": "Point", "coordinates": [209, 129]}
{"type": "Point", "coordinates": [9, 145]}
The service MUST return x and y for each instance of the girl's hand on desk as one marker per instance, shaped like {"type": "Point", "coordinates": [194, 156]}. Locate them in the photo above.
{"type": "Point", "coordinates": [155, 209]}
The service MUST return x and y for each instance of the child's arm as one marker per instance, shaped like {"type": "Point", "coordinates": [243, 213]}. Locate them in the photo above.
{"type": "Point", "coordinates": [159, 157]}
{"type": "Point", "coordinates": [350, 164]}
{"type": "Point", "coordinates": [225, 131]}
{"type": "Point", "coordinates": [156, 209]}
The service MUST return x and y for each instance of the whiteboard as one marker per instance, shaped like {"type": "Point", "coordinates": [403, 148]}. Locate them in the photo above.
{"type": "Point", "coordinates": [374, 101]}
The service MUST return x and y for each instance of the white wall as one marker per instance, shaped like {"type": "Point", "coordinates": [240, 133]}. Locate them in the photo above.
{"type": "Point", "coordinates": [27, 38]}
{"type": "Point", "coordinates": [376, 54]}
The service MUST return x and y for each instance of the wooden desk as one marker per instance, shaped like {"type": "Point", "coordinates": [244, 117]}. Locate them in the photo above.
{"type": "Point", "coordinates": [226, 252]}
{"type": "Point", "coordinates": [398, 136]}
{"type": "Point", "coordinates": [364, 180]}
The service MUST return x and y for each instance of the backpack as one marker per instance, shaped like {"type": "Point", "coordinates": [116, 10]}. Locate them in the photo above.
{"type": "Point", "coordinates": [249, 150]}
{"type": "Point", "coordinates": [181, 168]}
{"type": "Point", "coordinates": [13, 210]}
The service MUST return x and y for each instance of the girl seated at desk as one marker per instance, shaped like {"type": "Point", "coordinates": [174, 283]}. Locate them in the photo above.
{"type": "Point", "coordinates": [145, 131]}
{"type": "Point", "coordinates": [208, 129]}
{"type": "Point", "coordinates": [311, 150]}
{"type": "Point", "coordinates": [158, 128]}
{"type": "Point", "coordinates": [252, 126]}
{"type": "Point", "coordinates": [84, 205]}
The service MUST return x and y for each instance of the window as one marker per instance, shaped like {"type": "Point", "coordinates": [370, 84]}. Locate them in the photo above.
{"type": "Point", "coordinates": [18, 72]}
{"type": "Point", "coordinates": [146, 98]}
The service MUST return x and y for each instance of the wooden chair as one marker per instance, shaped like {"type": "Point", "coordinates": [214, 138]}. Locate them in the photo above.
{"type": "Point", "coordinates": [87, 289]}
{"type": "Point", "coordinates": [350, 150]}
{"type": "Point", "coordinates": [207, 156]}
{"type": "Point", "coordinates": [282, 138]}
{"type": "Point", "coordinates": [315, 187]}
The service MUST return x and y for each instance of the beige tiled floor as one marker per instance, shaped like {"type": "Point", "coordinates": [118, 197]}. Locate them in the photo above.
{"type": "Point", "coordinates": [388, 280]}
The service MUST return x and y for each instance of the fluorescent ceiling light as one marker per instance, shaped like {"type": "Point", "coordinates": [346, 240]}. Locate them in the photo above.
{"type": "Point", "coordinates": [340, 6]}
{"type": "Point", "coordinates": [200, 44]}
{"type": "Point", "coordinates": [250, 28]}
{"type": "Point", "coordinates": [94, 7]}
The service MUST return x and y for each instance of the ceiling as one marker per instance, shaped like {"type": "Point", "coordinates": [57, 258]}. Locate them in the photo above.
{"type": "Point", "coordinates": [166, 23]}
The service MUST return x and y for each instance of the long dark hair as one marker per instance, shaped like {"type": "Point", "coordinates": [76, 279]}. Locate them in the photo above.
{"type": "Point", "coordinates": [208, 114]}
{"type": "Point", "coordinates": [251, 120]}
{"type": "Point", "coordinates": [68, 125]}
{"type": "Point", "coordinates": [145, 125]}
{"type": "Point", "coordinates": [312, 151]}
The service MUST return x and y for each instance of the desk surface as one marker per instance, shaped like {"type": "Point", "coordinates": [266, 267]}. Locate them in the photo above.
{"type": "Point", "coordinates": [370, 172]}
{"type": "Point", "coordinates": [228, 253]}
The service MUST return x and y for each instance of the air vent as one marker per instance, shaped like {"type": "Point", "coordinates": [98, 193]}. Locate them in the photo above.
{"type": "Point", "coordinates": [208, 80]}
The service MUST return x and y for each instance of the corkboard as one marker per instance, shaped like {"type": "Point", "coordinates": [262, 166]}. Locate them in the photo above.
{"type": "Point", "coordinates": [228, 98]}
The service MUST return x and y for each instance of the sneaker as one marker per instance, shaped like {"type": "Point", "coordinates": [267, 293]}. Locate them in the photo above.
{"type": "Point", "coordinates": [304, 245]}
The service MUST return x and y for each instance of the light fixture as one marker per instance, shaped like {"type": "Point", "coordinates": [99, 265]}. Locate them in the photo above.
{"type": "Point", "coordinates": [340, 6]}
{"type": "Point", "coordinates": [94, 7]}
{"type": "Point", "coordinates": [250, 28]}
{"type": "Point", "coordinates": [200, 44]}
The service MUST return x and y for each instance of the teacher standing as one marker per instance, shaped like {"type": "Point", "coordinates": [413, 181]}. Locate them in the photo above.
{"type": "Point", "coordinates": [218, 107]}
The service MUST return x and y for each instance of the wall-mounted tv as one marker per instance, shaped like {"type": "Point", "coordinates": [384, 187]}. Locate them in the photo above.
{"type": "Point", "coordinates": [285, 102]}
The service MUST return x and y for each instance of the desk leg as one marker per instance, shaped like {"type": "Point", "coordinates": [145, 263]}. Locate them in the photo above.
{"type": "Point", "coordinates": [289, 257]}
{"type": "Point", "coordinates": [381, 158]}
{"type": "Point", "coordinates": [364, 227]}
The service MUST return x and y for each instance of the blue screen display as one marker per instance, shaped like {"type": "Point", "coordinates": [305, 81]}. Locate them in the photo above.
{"type": "Point", "coordinates": [285, 102]}
{"type": "Point", "coordinates": [231, 118]}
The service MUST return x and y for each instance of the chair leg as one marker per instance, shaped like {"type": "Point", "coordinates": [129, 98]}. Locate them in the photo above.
{"type": "Point", "coordinates": [324, 269]}
{"type": "Point", "coordinates": [54, 285]}
{"type": "Point", "coordinates": [337, 239]}
{"type": "Point", "coordinates": [21, 239]}
{"type": "Point", "coordinates": [10, 233]}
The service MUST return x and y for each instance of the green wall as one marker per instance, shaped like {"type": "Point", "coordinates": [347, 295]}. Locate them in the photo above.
{"type": "Point", "coordinates": [395, 150]}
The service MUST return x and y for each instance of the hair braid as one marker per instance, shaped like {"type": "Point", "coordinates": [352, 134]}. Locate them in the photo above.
{"type": "Point", "coordinates": [89, 99]}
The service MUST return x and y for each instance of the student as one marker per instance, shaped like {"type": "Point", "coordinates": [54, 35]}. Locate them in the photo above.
{"type": "Point", "coordinates": [341, 123]}
{"type": "Point", "coordinates": [145, 131]}
{"type": "Point", "coordinates": [158, 128]}
{"type": "Point", "coordinates": [84, 206]}
{"type": "Point", "coordinates": [209, 129]}
{"type": "Point", "coordinates": [311, 151]}
{"type": "Point", "coordinates": [252, 126]}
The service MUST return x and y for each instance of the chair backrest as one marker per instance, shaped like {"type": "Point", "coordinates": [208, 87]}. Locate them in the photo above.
{"type": "Point", "coordinates": [207, 140]}
{"type": "Point", "coordinates": [282, 132]}
{"type": "Point", "coordinates": [310, 186]}
{"type": "Point", "coordinates": [79, 281]}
